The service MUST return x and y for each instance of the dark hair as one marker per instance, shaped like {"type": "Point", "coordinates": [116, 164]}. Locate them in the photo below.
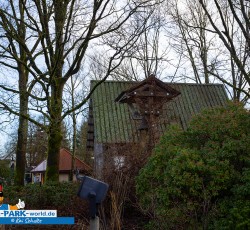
{"type": "Point", "coordinates": [1, 194]}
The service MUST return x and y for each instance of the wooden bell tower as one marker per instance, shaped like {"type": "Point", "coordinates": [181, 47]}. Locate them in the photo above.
{"type": "Point", "coordinates": [146, 100]}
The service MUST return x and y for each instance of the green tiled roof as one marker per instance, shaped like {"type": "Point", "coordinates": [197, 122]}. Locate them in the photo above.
{"type": "Point", "coordinates": [110, 121]}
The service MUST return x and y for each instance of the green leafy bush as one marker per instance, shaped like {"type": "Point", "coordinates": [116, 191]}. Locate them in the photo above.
{"type": "Point", "coordinates": [57, 194]}
{"type": "Point", "coordinates": [5, 172]}
{"type": "Point", "coordinates": [199, 178]}
{"type": "Point", "coordinates": [52, 194]}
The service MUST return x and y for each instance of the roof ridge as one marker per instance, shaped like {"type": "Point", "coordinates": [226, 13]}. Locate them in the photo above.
{"type": "Point", "coordinates": [175, 83]}
{"type": "Point", "coordinates": [75, 157]}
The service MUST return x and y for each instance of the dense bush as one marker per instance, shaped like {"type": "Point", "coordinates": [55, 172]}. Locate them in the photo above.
{"type": "Point", "coordinates": [200, 178]}
{"type": "Point", "coordinates": [35, 195]}
{"type": "Point", "coordinates": [57, 196]}
{"type": "Point", "coordinates": [5, 172]}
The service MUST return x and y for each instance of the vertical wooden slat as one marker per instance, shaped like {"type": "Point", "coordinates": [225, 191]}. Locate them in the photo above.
{"type": "Point", "coordinates": [180, 106]}
{"type": "Point", "coordinates": [203, 97]}
{"type": "Point", "coordinates": [222, 94]}
{"type": "Point", "coordinates": [108, 112]}
{"type": "Point", "coordinates": [100, 119]}
{"type": "Point", "coordinates": [187, 104]}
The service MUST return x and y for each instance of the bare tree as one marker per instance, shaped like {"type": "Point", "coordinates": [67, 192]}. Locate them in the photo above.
{"type": "Point", "coordinates": [57, 28]}
{"type": "Point", "coordinates": [190, 39]}
{"type": "Point", "coordinates": [76, 90]}
{"type": "Point", "coordinates": [36, 145]}
{"type": "Point", "coordinates": [13, 56]}
{"type": "Point", "coordinates": [232, 28]}
{"type": "Point", "coordinates": [149, 54]}
{"type": "Point", "coordinates": [213, 38]}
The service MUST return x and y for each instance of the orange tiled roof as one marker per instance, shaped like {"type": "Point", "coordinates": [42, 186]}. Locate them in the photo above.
{"type": "Point", "coordinates": [64, 163]}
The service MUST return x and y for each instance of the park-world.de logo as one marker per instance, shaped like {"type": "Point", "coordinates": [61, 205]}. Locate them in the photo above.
{"type": "Point", "coordinates": [16, 214]}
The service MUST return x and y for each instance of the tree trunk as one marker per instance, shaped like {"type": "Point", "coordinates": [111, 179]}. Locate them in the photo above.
{"type": "Point", "coordinates": [22, 129]}
{"type": "Point", "coordinates": [55, 132]}
{"type": "Point", "coordinates": [23, 106]}
{"type": "Point", "coordinates": [21, 151]}
{"type": "Point", "coordinates": [54, 145]}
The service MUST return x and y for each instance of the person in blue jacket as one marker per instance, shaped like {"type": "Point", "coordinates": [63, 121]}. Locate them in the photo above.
{"type": "Point", "coordinates": [19, 205]}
